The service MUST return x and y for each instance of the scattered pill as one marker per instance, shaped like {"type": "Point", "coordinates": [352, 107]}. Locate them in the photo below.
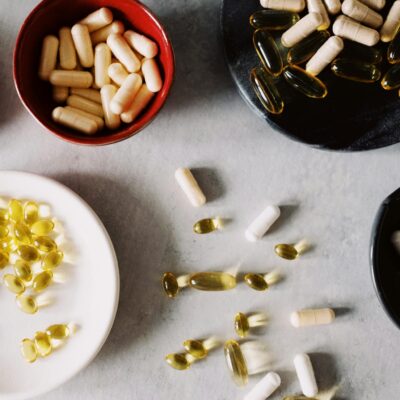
{"type": "Point", "coordinates": [265, 387]}
{"type": "Point", "coordinates": [83, 45]}
{"type": "Point", "coordinates": [28, 350]}
{"type": "Point", "coordinates": [102, 34]}
{"type": "Point", "coordinates": [117, 73]}
{"type": "Point", "coordinates": [42, 344]}
{"type": "Point", "coordinates": [142, 44]}
{"type": "Point", "coordinates": [309, 317]}
{"type": "Point", "coordinates": [236, 362]}
{"type": "Point", "coordinates": [212, 281]}
{"type": "Point", "coordinates": [304, 82]}
{"type": "Point", "coordinates": [124, 96]}
{"type": "Point", "coordinates": [301, 29]}
{"type": "Point", "coordinates": [13, 283]}
{"type": "Point", "coordinates": [207, 225]}
{"type": "Point", "coordinates": [121, 50]}
{"type": "Point", "coordinates": [243, 323]}
{"type": "Point", "coordinates": [27, 304]}
{"type": "Point", "coordinates": [73, 79]}
{"type": "Point", "coordinates": [180, 361]}
{"type": "Point", "coordinates": [68, 58]}
{"type": "Point", "coordinates": [97, 19]}
{"type": "Point", "coordinates": [305, 374]}
{"type": "Point", "coordinates": [356, 70]}
{"type": "Point", "coordinates": [362, 13]}
{"type": "Point", "coordinates": [170, 284]}
{"type": "Point", "coordinates": [111, 120]}
{"type": "Point", "coordinates": [72, 119]}
{"type": "Point", "coordinates": [289, 5]}
{"type": "Point", "coordinates": [346, 27]}
{"type": "Point", "coordinates": [48, 57]}
{"type": "Point", "coordinates": [138, 104]}
{"type": "Point", "coordinates": [267, 51]}
{"type": "Point", "coordinates": [273, 19]}
{"type": "Point", "coordinates": [58, 331]}
{"type": "Point", "coordinates": [317, 6]}
{"type": "Point", "coordinates": [259, 227]}
{"type": "Point", "coordinates": [190, 187]}
{"type": "Point", "coordinates": [261, 282]}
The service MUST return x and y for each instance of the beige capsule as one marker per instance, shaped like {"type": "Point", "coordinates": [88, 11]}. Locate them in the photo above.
{"type": "Point", "coordinates": [90, 94]}
{"type": "Point", "coordinates": [122, 51]}
{"type": "Point", "coordinates": [142, 44]}
{"type": "Point", "coordinates": [83, 45]}
{"type": "Point", "coordinates": [97, 19]}
{"type": "Point", "coordinates": [347, 28]}
{"type": "Point", "coordinates": [111, 120]}
{"type": "Point", "coordinates": [392, 23]}
{"type": "Point", "coordinates": [102, 60]}
{"type": "Point", "coordinates": [117, 73]}
{"type": "Point", "coordinates": [309, 317]}
{"type": "Point", "coordinates": [318, 6]}
{"type": "Point", "coordinates": [325, 55]}
{"type": "Point", "coordinates": [362, 13]}
{"type": "Point", "coordinates": [67, 49]}
{"type": "Point", "coordinates": [138, 105]}
{"type": "Point", "coordinates": [375, 4]}
{"type": "Point", "coordinates": [126, 93]}
{"type": "Point", "coordinates": [102, 34]}
{"type": "Point", "coordinates": [333, 6]}
{"type": "Point", "coordinates": [288, 5]}
{"type": "Point", "coordinates": [72, 119]}
{"type": "Point", "coordinates": [190, 187]}
{"type": "Point", "coordinates": [48, 57]}
{"type": "Point", "coordinates": [99, 121]}
{"type": "Point", "coordinates": [151, 75]}
{"type": "Point", "coordinates": [86, 105]}
{"type": "Point", "coordinates": [60, 93]}
{"type": "Point", "coordinates": [73, 79]}
{"type": "Point", "coordinates": [302, 29]}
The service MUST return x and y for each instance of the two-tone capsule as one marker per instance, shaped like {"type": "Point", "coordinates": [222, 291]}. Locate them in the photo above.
{"type": "Point", "coordinates": [200, 348]}
{"type": "Point", "coordinates": [267, 51]}
{"type": "Point", "coordinates": [172, 284]}
{"type": "Point", "coordinates": [273, 19]}
{"type": "Point", "coordinates": [291, 251]}
{"type": "Point", "coordinates": [244, 323]}
{"type": "Point", "coordinates": [261, 282]}
{"type": "Point", "coordinates": [356, 70]}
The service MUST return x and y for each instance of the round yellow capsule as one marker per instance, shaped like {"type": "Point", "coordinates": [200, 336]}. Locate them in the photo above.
{"type": "Point", "coordinates": [44, 243]}
{"type": "Point", "coordinates": [3, 259]}
{"type": "Point", "coordinates": [207, 225]}
{"type": "Point", "coordinates": [42, 281]}
{"type": "Point", "coordinates": [52, 259]}
{"type": "Point", "coordinates": [43, 344]}
{"type": "Point", "coordinates": [236, 362]}
{"type": "Point", "coordinates": [286, 251]}
{"type": "Point", "coordinates": [27, 304]}
{"type": "Point", "coordinates": [28, 253]}
{"type": "Point", "coordinates": [195, 348]}
{"type": "Point", "coordinates": [170, 284]}
{"type": "Point", "coordinates": [42, 227]}
{"type": "Point", "coordinates": [13, 283]}
{"type": "Point", "coordinates": [58, 331]}
{"type": "Point", "coordinates": [179, 361]}
{"type": "Point", "coordinates": [31, 212]}
{"type": "Point", "coordinates": [15, 210]}
{"type": "Point", "coordinates": [28, 350]}
{"type": "Point", "coordinates": [242, 326]}
{"type": "Point", "coordinates": [22, 233]}
{"type": "Point", "coordinates": [256, 281]}
{"type": "Point", "coordinates": [23, 270]}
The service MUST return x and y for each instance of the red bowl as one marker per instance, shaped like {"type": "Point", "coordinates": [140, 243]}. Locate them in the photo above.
{"type": "Point", "coordinates": [47, 18]}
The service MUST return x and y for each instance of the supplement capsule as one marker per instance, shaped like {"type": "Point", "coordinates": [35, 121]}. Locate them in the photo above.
{"type": "Point", "coordinates": [236, 362]}
{"type": "Point", "coordinates": [261, 282]}
{"type": "Point", "coordinates": [83, 45]}
{"type": "Point", "coordinates": [22, 233]}
{"type": "Point", "coordinates": [42, 344]}
{"type": "Point", "coordinates": [346, 27]}
{"type": "Point", "coordinates": [318, 6]}
{"type": "Point", "coordinates": [67, 49]}
{"type": "Point", "coordinates": [273, 20]}
{"type": "Point", "coordinates": [15, 210]}
{"type": "Point", "coordinates": [97, 19]}
{"type": "Point", "coordinates": [200, 348]}
{"type": "Point", "coordinates": [265, 387]}
{"type": "Point", "coordinates": [85, 105]}
{"type": "Point", "coordinates": [305, 49]}
{"type": "Point", "coordinates": [13, 283]}
{"type": "Point", "coordinates": [126, 93]}
{"type": "Point", "coordinates": [151, 75]}
{"type": "Point", "coordinates": [102, 60]}
{"type": "Point", "coordinates": [28, 253]}
{"type": "Point", "coordinates": [301, 29]}
{"type": "Point", "coordinates": [138, 104]}
{"type": "Point", "coordinates": [289, 5]}
{"type": "Point", "coordinates": [27, 304]}
{"type": "Point", "coordinates": [122, 51]}
{"type": "Point", "coordinates": [142, 44]}
{"type": "Point", "coordinates": [333, 6]}
{"type": "Point", "coordinates": [266, 91]}
{"type": "Point", "coordinates": [74, 120]}
{"type": "Point", "coordinates": [28, 350]}
{"type": "Point", "coordinates": [305, 374]}
{"type": "Point", "coordinates": [48, 57]}
{"type": "Point", "coordinates": [392, 23]}
{"type": "Point", "coordinates": [90, 94]}
{"type": "Point", "coordinates": [180, 361]}
{"type": "Point", "coordinates": [359, 52]}
{"type": "Point", "coordinates": [99, 121]}
{"type": "Point", "coordinates": [23, 270]}
{"type": "Point", "coordinates": [243, 323]}
{"type": "Point", "coordinates": [3, 231]}
{"type": "Point", "coordinates": [304, 82]}
{"type": "Point", "coordinates": [42, 280]}
{"type": "Point", "coordinates": [73, 79]}
{"type": "Point", "coordinates": [44, 243]}
{"type": "Point", "coordinates": [286, 251]}
{"type": "Point", "coordinates": [393, 51]}
{"type": "Point", "coordinates": [60, 93]}
{"type": "Point", "coordinates": [212, 281]}
{"type": "Point", "coordinates": [8, 244]}
{"type": "Point", "coordinates": [111, 120]}
{"type": "Point", "coordinates": [58, 331]}
{"type": "Point", "coordinates": [102, 34]}
{"type": "Point", "coordinates": [375, 4]}
{"type": "Point", "coordinates": [117, 73]}
{"type": "Point", "coordinates": [3, 259]}
{"type": "Point", "coordinates": [267, 51]}
{"type": "Point", "coordinates": [190, 187]}
{"type": "Point", "coordinates": [321, 316]}
{"type": "Point", "coordinates": [4, 217]}
{"type": "Point", "coordinates": [207, 225]}
{"type": "Point", "coordinates": [52, 259]}
{"type": "Point", "coordinates": [259, 227]}
{"type": "Point", "coordinates": [356, 71]}
{"type": "Point", "coordinates": [170, 284]}
{"type": "Point", "coordinates": [42, 227]}
{"type": "Point", "coordinates": [325, 55]}
{"type": "Point", "coordinates": [391, 79]}
{"type": "Point", "coordinates": [362, 13]}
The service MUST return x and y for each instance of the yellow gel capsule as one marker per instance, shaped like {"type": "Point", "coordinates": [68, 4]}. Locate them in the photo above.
{"type": "Point", "coordinates": [13, 283]}
{"type": "Point", "coordinates": [256, 281]}
{"type": "Point", "coordinates": [58, 331]}
{"type": "Point", "coordinates": [356, 70]}
{"type": "Point", "coordinates": [28, 350]}
{"type": "Point", "coordinates": [31, 212]}
{"type": "Point", "coordinates": [42, 281]}
{"type": "Point", "coordinates": [28, 253]}
{"type": "Point", "coordinates": [23, 270]}
{"type": "Point", "coordinates": [212, 281]}
{"type": "Point", "coordinates": [8, 244]}
{"type": "Point", "coordinates": [236, 362]}
{"type": "Point", "coordinates": [15, 210]}
{"type": "Point", "coordinates": [4, 217]}
{"type": "Point", "coordinates": [273, 19]}
{"type": "Point", "coordinates": [3, 259]}
{"type": "Point", "coordinates": [3, 231]}
{"type": "Point", "coordinates": [391, 79]}
{"type": "Point", "coordinates": [267, 51]}
{"type": "Point", "coordinates": [27, 304]}
{"type": "Point", "coordinates": [286, 251]}
{"type": "Point", "coordinates": [242, 326]}
{"type": "Point", "coordinates": [207, 225]}
{"type": "Point", "coordinates": [42, 227]}
{"type": "Point", "coordinates": [179, 361]}
{"type": "Point", "coordinates": [52, 259]}
{"type": "Point", "coordinates": [22, 233]}
{"type": "Point", "coordinates": [195, 348]}
{"type": "Point", "coordinates": [170, 284]}
{"type": "Point", "coordinates": [360, 52]}
{"type": "Point", "coordinates": [44, 243]}
{"type": "Point", "coordinates": [43, 344]}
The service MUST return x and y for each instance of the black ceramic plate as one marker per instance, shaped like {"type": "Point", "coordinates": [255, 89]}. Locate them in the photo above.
{"type": "Point", "coordinates": [354, 116]}
{"type": "Point", "coordinates": [385, 258]}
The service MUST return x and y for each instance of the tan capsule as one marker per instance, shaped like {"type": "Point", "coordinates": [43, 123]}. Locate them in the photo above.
{"type": "Point", "coordinates": [151, 75]}
{"type": "Point", "coordinates": [301, 29]}
{"type": "Point", "coordinates": [102, 60]}
{"type": "Point", "coordinates": [85, 104]}
{"type": "Point", "coordinates": [67, 49]}
{"type": "Point", "coordinates": [60, 93]}
{"type": "Point", "coordinates": [392, 23]}
{"type": "Point", "coordinates": [321, 316]}
{"type": "Point", "coordinates": [126, 93]}
{"type": "Point", "coordinates": [102, 34]}
{"type": "Point", "coordinates": [347, 28]}
{"type": "Point", "coordinates": [138, 104]}
{"type": "Point", "coordinates": [362, 13]}
{"type": "Point", "coordinates": [90, 94]}
{"type": "Point", "coordinates": [73, 120]}
{"type": "Point", "coordinates": [83, 45]}
{"type": "Point", "coordinates": [73, 79]}
{"type": "Point", "coordinates": [122, 51]}
{"type": "Point", "coordinates": [289, 5]}
{"type": "Point", "coordinates": [375, 4]}
{"type": "Point", "coordinates": [117, 73]}
{"type": "Point", "coordinates": [48, 57]}
{"type": "Point", "coordinates": [190, 187]}
{"type": "Point", "coordinates": [318, 6]}
{"type": "Point", "coordinates": [333, 6]}
{"type": "Point", "coordinates": [142, 44]}
{"type": "Point", "coordinates": [111, 120]}
{"type": "Point", "coordinates": [325, 55]}
{"type": "Point", "coordinates": [97, 19]}
{"type": "Point", "coordinates": [99, 121]}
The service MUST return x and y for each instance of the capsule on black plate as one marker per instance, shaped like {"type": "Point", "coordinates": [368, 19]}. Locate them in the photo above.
{"type": "Point", "coordinates": [360, 52]}
{"type": "Point", "coordinates": [267, 51]}
{"type": "Point", "coordinates": [356, 70]}
{"type": "Point", "coordinates": [273, 19]}
{"type": "Point", "coordinates": [391, 79]}
{"type": "Point", "coordinates": [393, 51]}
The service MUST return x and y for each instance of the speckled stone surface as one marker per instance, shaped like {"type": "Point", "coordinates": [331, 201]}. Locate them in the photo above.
{"type": "Point", "coordinates": [242, 164]}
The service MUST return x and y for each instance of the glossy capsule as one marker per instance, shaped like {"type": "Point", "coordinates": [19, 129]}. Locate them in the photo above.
{"type": "Point", "coordinates": [4, 217]}
{"type": "Point", "coordinates": [42, 227]}
{"type": "Point", "coordinates": [360, 52]}
{"type": "Point", "coordinates": [58, 331]}
{"type": "Point", "coordinates": [273, 19]}
{"type": "Point", "coordinates": [52, 259]}
{"type": "Point", "coordinates": [207, 225]}
{"type": "Point", "coordinates": [28, 253]}
{"type": "Point", "coordinates": [42, 280]}
{"type": "Point", "coordinates": [3, 231]}
{"type": "Point", "coordinates": [243, 323]}
{"type": "Point", "coordinates": [27, 304]}
{"type": "Point", "coordinates": [45, 244]}
{"type": "Point", "coordinates": [391, 79]}
{"type": "Point", "coordinates": [267, 51]}
{"type": "Point", "coordinates": [286, 251]}
{"type": "Point", "coordinates": [212, 281]}
{"type": "Point", "coordinates": [28, 350]}
{"type": "Point", "coordinates": [256, 281]}
{"type": "Point", "coordinates": [43, 344]}
{"type": "Point", "coordinates": [306, 48]}
{"type": "Point", "coordinates": [31, 212]}
{"type": "Point", "coordinates": [355, 70]}
{"type": "Point", "coordinates": [304, 82]}
{"type": "Point", "coordinates": [180, 361]}
{"type": "Point", "coordinates": [22, 233]}
{"type": "Point", "coordinates": [170, 284]}
{"type": "Point", "coordinates": [236, 362]}
{"type": "Point", "coordinates": [195, 348]}
{"type": "Point", "coordinates": [393, 51]}
{"type": "Point", "coordinates": [266, 91]}
{"type": "Point", "coordinates": [8, 244]}
{"type": "Point", "coordinates": [3, 259]}
{"type": "Point", "coordinates": [23, 270]}
{"type": "Point", "coordinates": [13, 283]}
{"type": "Point", "coordinates": [15, 210]}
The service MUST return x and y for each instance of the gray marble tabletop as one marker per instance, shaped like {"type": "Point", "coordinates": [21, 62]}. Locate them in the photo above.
{"type": "Point", "coordinates": [243, 165]}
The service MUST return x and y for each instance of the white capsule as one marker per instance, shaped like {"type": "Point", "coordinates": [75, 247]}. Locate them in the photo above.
{"type": "Point", "coordinates": [362, 13]}
{"type": "Point", "coordinates": [301, 29]}
{"type": "Point", "coordinates": [190, 187]}
{"type": "Point", "coordinates": [347, 28]}
{"type": "Point", "coordinates": [375, 4]}
{"type": "Point", "coordinates": [305, 374]}
{"type": "Point", "coordinates": [117, 73]}
{"type": "Point", "coordinates": [333, 6]}
{"type": "Point", "coordinates": [48, 57]}
{"type": "Point", "coordinates": [102, 34]}
{"type": "Point", "coordinates": [67, 49]}
{"type": "Point", "coordinates": [310, 317]}
{"type": "Point", "coordinates": [392, 23]}
{"type": "Point", "coordinates": [325, 55]}
{"type": "Point", "coordinates": [73, 79]}
{"type": "Point", "coordinates": [91, 94]}
{"type": "Point", "coordinates": [74, 120]}
{"type": "Point", "coordinates": [102, 60]}
{"type": "Point", "coordinates": [265, 387]}
{"type": "Point", "coordinates": [126, 93]}
{"type": "Point", "coordinates": [97, 19]}
{"type": "Point", "coordinates": [85, 104]}
{"type": "Point", "coordinates": [83, 45]}
{"type": "Point", "coordinates": [262, 223]}
{"type": "Point", "coordinates": [318, 6]}
{"type": "Point", "coordinates": [122, 51]}
{"type": "Point", "coordinates": [99, 121]}
{"type": "Point", "coordinates": [151, 75]}
{"type": "Point", "coordinates": [289, 5]}
{"type": "Point", "coordinates": [138, 105]}
{"type": "Point", "coordinates": [60, 93]}
{"type": "Point", "coordinates": [111, 120]}
{"type": "Point", "coordinates": [142, 44]}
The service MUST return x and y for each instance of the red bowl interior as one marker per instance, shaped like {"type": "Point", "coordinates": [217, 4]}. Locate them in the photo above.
{"type": "Point", "coordinates": [47, 18]}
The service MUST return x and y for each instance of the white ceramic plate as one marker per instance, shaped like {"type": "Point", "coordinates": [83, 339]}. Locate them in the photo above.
{"type": "Point", "coordinates": [88, 297]}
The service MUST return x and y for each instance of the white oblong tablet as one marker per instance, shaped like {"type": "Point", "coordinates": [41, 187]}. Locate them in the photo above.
{"type": "Point", "coordinates": [265, 387]}
{"type": "Point", "coordinates": [262, 223]}
{"type": "Point", "coordinates": [305, 374]}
